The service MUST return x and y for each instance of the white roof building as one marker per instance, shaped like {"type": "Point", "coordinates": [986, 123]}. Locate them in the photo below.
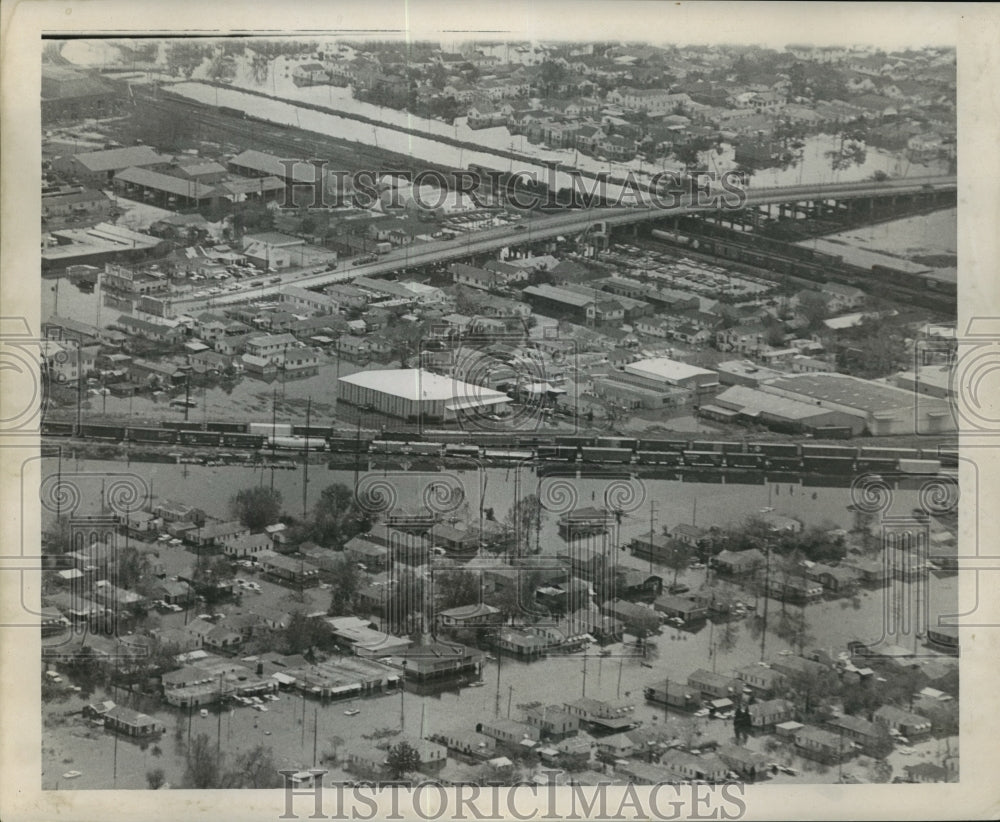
{"type": "Point", "coordinates": [413, 393]}
{"type": "Point", "coordinates": [665, 371]}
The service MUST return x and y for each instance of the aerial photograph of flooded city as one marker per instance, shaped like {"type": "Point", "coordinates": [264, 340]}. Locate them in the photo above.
{"type": "Point", "coordinates": [496, 412]}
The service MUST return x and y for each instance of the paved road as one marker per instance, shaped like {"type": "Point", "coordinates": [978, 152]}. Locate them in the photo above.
{"type": "Point", "coordinates": [568, 222]}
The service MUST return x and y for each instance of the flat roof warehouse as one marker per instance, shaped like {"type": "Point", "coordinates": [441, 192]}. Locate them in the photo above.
{"type": "Point", "coordinates": [416, 385]}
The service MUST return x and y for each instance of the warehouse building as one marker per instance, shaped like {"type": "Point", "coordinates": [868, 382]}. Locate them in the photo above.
{"type": "Point", "coordinates": [100, 167]}
{"type": "Point", "coordinates": [418, 395]}
{"type": "Point", "coordinates": [887, 410]}
{"type": "Point", "coordinates": [746, 373]}
{"type": "Point", "coordinates": [661, 372]}
{"type": "Point", "coordinates": [742, 404]}
{"type": "Point", "coordinates": [71, 96]}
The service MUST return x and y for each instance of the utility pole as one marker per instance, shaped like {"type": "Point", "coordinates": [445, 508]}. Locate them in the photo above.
{"type": "Point", "coordinates": [652, 521]}
{"type": "Point", "coordinates": [585, 674]}
{"type": "Point", "coordinates": [315, 732]}
{"type": "Point", "coordinates": [402, 706]}
{"type": "Point", "coordinates": [305, 476]}
{"type": "Point", "coordinates": [187, 395]}
{"type": "Point", "coordinates": [767, 585]}
{"type": "Point", "coordinates": [218, 731]}
{"type": "Point", "coordinates": [496, 708]}
{"type": "Point", "coordinates": [510, 696]}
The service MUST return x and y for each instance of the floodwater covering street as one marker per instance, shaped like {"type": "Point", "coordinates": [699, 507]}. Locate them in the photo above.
{"type": "Point", "coordinates": [69, 743]}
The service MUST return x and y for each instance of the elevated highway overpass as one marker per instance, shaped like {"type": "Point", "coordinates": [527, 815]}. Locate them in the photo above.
{"type": "Point", "coordinates": [549, 226]}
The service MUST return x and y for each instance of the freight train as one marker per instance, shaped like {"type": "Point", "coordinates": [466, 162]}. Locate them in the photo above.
{"type": "Point", "coordinates": [820, 458]}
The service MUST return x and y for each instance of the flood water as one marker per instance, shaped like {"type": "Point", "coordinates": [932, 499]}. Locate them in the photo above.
{"type": "Point", "coordinates": [551, 680]}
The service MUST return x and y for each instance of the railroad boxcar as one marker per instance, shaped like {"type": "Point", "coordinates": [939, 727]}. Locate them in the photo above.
{"type": "Point", "coordinates": [916, 466]}
{"type": "Point", "coordinates": [238, 440]}
{"type": "Point", "coordinates": [948, 456]}
{"type": "Point", "coordinates": [660, 457]}
{"type": "Point", "coordinates": [776, 449]}
{"type": "Point", "coordinates": [181, 425]}
{"type": "Point", "coordinates": [199, 437]}
{"type": "Point", "coordinates": [390, 447]}
{"type": "Point", "coordinates": [297, 443]}
{"type": "Point", "coordinates": [567, 452]}
{"type": "Point", "coordinates": [507, 455]}
{"type": "Point", "coordinates": [311, 431]}
{"type": "Point", "coordinates": [577, 442]}
{"type": "Point", "coordinates": [102, 432]}
{"type": "Point", "coordinates": [547, 452]}
{"type": "Point", "coordinates": [349, 445]}
{"type": "Point", "coordinates": [167, 435]}
{"type": "Point", "coordinates": [891, 453]}
{"type": "Point", "coordinates": [615, 442]}
{"type": "Point", "coordinates": [57, 429]}
{"type": "Point", "coordinates": [268, 429]}
{"type": "Point", "coordinates": [227, 427]}
{"type": "Point", "coordinates": [843, 451]}
{"type": "Point", "coordinates": [663, 445]}
{"type": "Point", "coordinates": [879, 464]}
{"type": "Point", "coordinates": [744, 460]}
{"type": "Point", "coordinates": [596, 454]}
{"type": "Point", "coordinates": [703, 459]}
{"type": "Point", "coordinates": [782, 463]}
{"type": "Point", "coordinates": [426, 449]}
{"type": "Point", "coordinates": [456, 450]}
{"type": "Point", "coordinates": [828, 465]}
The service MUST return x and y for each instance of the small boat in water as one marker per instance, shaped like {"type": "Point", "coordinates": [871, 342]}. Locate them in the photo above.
{"type": "Point", "coordinates": [71, 774]}
{"type": "Point", "coordinates": [351, 712]}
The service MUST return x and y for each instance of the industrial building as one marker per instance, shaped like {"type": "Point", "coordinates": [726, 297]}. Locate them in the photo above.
{"type": "Point", "coordinates": [415, 394]}
{"type": "Point", "coordinates": [100, 167]}
{"type": "Point", "coordinates": [746, 373]}
{"type": "Point", "coordinates": [742, 404]}
{"type": "Point", "coordinates": [72, 96]}
{"type": "Point", "coordinates": [886, 409]}
{"type": "Point", "coordinates": [661, 372]}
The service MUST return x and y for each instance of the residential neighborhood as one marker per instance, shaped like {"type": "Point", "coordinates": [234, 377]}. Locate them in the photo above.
{"type": "Point", "coordinates": [414, 463]}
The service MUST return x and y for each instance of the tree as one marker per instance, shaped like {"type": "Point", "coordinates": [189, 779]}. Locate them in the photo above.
{"type": "Point", "coordinates": [880, 771]}
{"type": "Point", "coordinates": [303, 632]}
{"type": "Point", "coordinates": [155, 779]}
{"type": "Point", "coordinates": [814, 308]}
{"type": "Point", "coordinates": [336, 742]}
{"type": "Point", "coordinates": [132, 567]}
{"type": "Point", "coordinates": [337, 517]}
{"type": "Point", "coordinates": [525, 518]}
{"type": "Point", "coordinates": [403, 758]}
{"type": "Point", "coordinates": [812, 689]}
{"type": "Point", "coordinates": [255, 768]}
{"type": "Point", "coordinates": [550, 77]}
{"type": "Point", "coordinates": [201, 764]}
{"type": "Point", "coordinates": [793, 627]}
{"type": "Point", "coordinates": [206, 576]}
{"type": "Point", "coordinates": [344, 586]}
{"type": "Point", "coordinates": [456, 588]}
{"type": "Point", "coordinates": [465, 301]}
{"type": "Point", "coordinates": [256, 507]}
{"type": "Point", "coordinates": [881, 744]}
{"type": "Point", "coordinates": [406, 603]}
{"type": "Point", "coordinates": [405, 337]}
{"type": "Point", "coordinates": [642, 625]}
{"type": "Point", "coordinates": [516, 599]}
{"type": "Point", "coordinates": [678, 556]}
